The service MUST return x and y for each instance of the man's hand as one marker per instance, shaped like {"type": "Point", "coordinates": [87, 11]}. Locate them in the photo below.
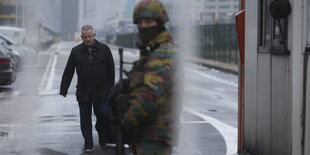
{"type": "Point", "coordinates": [63, 94]}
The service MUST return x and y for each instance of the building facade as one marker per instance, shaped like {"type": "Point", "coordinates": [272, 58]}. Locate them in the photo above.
{"type": "Point", "coordinates": [11, 13]}
{"type": "Point", "coordinates": [97, 12]}
{"type": "Point", "coordinates": [201, 12]}
{"type": "Point", "coordinates": [220, 11]}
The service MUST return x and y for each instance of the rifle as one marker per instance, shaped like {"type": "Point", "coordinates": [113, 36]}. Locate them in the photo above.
{"type": "Point", "coordinates": [118, 107]}
{"type": "Point", "coordinates": [118, 133]}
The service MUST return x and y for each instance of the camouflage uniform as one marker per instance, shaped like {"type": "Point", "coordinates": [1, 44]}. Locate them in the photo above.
{"type": "Point", "coordinates": [152, 118]}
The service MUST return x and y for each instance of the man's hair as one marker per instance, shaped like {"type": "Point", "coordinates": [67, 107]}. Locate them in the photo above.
{"type": "Point", "coordinates": [86, 28]}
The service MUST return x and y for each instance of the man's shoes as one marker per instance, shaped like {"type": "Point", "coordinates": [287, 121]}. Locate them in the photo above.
{"type": "Point", "coordinates": [88, 149]}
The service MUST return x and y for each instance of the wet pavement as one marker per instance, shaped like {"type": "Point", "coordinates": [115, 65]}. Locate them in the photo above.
{"type": "Point", "coordinates": [51, 127]}
{"type": "Point", "coordinates": [35, 120]}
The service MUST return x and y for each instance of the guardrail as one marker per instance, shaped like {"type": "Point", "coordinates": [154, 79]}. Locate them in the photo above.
{"type": "Point", "coordinates": [216, 42]}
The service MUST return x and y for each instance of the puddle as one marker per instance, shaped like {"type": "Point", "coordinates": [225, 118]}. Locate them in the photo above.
{"type": "Point", "coordinates": [46, 121]}
{"type": "Point", "coordinates": [8, 133]}
{"type": "Point", "coordinates": [43, 151]}
{"type": "Point", "coordinates": [46, 116]}
{"type": "Point", "coordinates": [212, 110]}
{"type": "Point", "coordinates": [69, 115]}
{"type": "Point", "coordinates": [70, 120]}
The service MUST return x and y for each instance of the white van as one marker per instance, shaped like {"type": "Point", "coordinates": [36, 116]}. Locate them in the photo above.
{"type": "Point", "coordinates": [17, 34]}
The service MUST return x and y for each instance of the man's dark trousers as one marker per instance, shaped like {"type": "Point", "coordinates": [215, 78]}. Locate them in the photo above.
{"type": "Point", "coordinates": [101, 111]}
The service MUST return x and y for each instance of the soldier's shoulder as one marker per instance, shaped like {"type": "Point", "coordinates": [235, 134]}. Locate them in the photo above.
{"type": "Point", "coordinates": [165, 48]}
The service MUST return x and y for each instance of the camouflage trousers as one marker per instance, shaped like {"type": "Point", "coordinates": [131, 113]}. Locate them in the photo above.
{"type": "Point", "coordinates": [152, 148]}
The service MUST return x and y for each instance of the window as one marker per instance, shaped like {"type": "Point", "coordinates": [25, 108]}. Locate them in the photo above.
{"type": "Point", "coordinates": [236, 6]}
{"type": "Point", "coordinates": [269, 29]}
{"type": "Point", "coordinates": [264, 24]}
{"type": "Point", "coordinates": [224, 6]}
{"type": "Point", "coordinates": [222, 13]}
{"type": "Point", "coordinates": [211, 7]}
{"type": "Point", "coordinates": [308, 23]}
{"type": "Point", "coordinates": [306, 26]}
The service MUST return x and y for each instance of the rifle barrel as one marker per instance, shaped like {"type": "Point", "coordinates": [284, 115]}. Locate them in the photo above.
{"type": "Point", "coordinates": [119, 138]}
{"type": "Point", "coordinates": [120, 52]}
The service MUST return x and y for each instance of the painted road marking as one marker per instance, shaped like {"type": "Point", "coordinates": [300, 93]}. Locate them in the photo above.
{"type": "Point", "coordinates": [46, 73]}
{"type": "Point", "coordinates": [228, 132]}
{"type": "Point", "coordinates": [212, 77]}
{"type": "Point", "coordinates": [46, 84]}
{"type": "Point", "coordinates": [52, 74]}
{"type": "Point", "coordinates": [194, 122]}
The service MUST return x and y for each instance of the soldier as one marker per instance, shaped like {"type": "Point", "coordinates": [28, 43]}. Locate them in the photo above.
{"type": "Point", "coordinates": [152, 117]}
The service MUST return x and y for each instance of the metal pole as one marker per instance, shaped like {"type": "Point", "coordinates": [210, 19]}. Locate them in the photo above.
{"type": "Point", "coordinates": [240, 22]}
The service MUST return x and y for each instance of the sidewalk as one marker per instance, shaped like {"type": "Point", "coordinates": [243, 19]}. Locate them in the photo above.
{"type": "Point", "coordinates": [231, 68]}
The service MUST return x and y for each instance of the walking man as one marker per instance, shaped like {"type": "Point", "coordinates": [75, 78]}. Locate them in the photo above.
{"type": "Point", "coordinates": [94, 66]}
{"type": "Point", "coordinates": [152, 120]}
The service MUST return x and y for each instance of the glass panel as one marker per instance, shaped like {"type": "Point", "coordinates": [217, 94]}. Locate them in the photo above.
{"type": "Point", "coordinates": [308, 23]}
{"type": "Point", "coordinates": [276, 33]}
{"type": "Point", "coordinates": [260, 22]}
{"type": "Point", "coordinates": [268, 24]}
{"type": "Point", "coordinates": [269, 29]}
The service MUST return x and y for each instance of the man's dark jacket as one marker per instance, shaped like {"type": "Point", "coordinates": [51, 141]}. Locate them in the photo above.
{"type": "Point", "coordinates": [95, 72]}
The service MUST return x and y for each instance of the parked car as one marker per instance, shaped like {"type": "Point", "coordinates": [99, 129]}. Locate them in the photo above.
{"type": "Point", "coordinates": [16, 33]}
{"type": "Point", "coordinates": [27, 54]}
{"type": "Point", "coordinates": [15, 55]}
{"type": "Point", "coordinates": [8, 60]}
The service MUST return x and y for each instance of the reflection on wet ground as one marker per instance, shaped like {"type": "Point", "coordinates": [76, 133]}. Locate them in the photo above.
{"type": "Point", "coordinates": [44, 151]}
{"type": "Point", "coordinates": [5, 89]}
{"type": "Point", "coordinates": [4, 134]}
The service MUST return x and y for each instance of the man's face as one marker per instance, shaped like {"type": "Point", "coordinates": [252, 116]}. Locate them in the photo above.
{"type": "Point", "coordinates": [88, 37]}
{"type": "Point", "coordinates": [145, 23]}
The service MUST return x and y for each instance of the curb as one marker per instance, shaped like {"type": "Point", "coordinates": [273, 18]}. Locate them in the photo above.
{"type": "Point", "coordinates": [230, 68]}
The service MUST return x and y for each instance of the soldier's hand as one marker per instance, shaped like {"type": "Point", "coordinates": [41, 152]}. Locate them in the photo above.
{"type": "Point", "coordinates": [115, 91]}
{"type": "Point", "coordinates": [122, 103]}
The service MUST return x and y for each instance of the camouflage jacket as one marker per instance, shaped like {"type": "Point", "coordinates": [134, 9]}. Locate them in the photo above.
{"type": "Point", "coordinates": [151, 115]}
